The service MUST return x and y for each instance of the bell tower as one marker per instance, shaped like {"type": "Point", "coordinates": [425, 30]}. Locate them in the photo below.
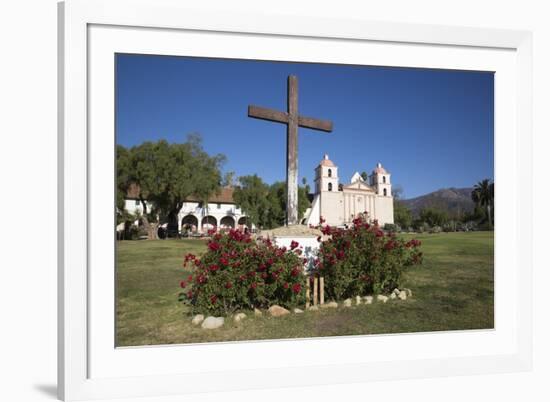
{"type": "Point", "coordinates": [326, 176]}
{"type": "Point", "coordinates": [380, 180]}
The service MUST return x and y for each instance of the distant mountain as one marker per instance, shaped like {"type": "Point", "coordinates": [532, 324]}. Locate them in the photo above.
{"type": "Point", "coordinates": [453, 200]}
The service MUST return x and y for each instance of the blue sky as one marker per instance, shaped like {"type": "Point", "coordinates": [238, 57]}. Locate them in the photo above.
{"type": "Point", "coordinates": [430, 128]}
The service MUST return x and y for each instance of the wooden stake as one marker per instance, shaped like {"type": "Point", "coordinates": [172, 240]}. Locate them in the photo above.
{"type": "Point", "coordinates": [308, 295]}
{"type": "Point", "coordinates": [322, 290]}
{"type": "Point", "coordinates": [315, 291]}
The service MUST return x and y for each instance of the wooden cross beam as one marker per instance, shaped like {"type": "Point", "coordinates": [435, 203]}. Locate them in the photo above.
{"type": "Point", "coordinates": [292, 120]}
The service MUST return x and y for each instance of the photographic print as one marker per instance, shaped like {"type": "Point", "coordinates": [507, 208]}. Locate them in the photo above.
{"type": "Point", "coordinates": [262, 200]}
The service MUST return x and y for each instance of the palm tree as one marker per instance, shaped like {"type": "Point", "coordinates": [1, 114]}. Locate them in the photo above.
{"type": "Point", "coordinates": [483, 195]}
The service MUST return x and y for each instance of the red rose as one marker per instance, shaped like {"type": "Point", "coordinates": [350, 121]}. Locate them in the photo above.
{"type": "Point", "coordinates": [214, 246]}
{"type": "Point", "coordinates": [296, 288]}
{"type": "Point", "coordinates": [224, 261]}
{"type": "Point", "coordinates": [182, 284]}
{"type": "Point", "coordinates": [214, 267]}
{"type": "Point", "coordinates": [389, 245]}
{"type": "Point", "coordinates": [213, 299]}
{"type": "Point", "coordinates": [253, 285]}
{"type": "Point", "coordinates": [286, 285]}
{"type": "Point", "coordinates": [228, 285]}
{"type": "Point", "coordinates": [294, 244]}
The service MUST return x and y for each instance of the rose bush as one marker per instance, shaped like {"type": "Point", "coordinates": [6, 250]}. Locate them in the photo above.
{"type": "Point", "coordinates": [363, 259]}
{"type": "Point", "coordinates": [237, 272]}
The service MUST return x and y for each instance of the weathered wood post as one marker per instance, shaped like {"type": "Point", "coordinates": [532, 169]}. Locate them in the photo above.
{"type": "Point", "coordinates": [321, 290]}
{"type": "Point", "coordinates": [293, 120]}
{"type": "Point", "coordinates": [308, 289]}
{"type": "Point", "coordinates": [315, 290]}
{"type": "Point", "coordinates": [292, 152]}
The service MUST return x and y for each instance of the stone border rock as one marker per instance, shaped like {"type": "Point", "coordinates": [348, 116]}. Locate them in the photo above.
{"type": "Point", "coordinates": [211, 322]}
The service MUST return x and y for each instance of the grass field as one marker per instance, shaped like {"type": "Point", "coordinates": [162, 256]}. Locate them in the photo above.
{"type": "Point", "coordinates": [452, 290]}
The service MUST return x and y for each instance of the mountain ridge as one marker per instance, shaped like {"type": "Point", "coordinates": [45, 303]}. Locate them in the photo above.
{"type": "Point", "coordinates": [453, 200]}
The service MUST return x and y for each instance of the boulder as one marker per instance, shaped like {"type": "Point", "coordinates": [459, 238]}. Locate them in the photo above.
{"type": "Point", "coordinates": [382, 298]}
{"type": "Point", "coordinates": [298, 311]}
{"type": "Point", "coordinates": [257, 312]}
{"type": "Point", "coordinates": [331, 304]}
{"type": "Point", "coordinates": [313, 308]}
{"type": "Point", "coordinates": [212, 322]}
{"type": "Point", "coordinates": [239, 317]}
{"type": "Point", "coordinates": [409, 292]}
{"type": "Point", "coordinates": [402, 295]}
{"type": "Point", "coordinates": [278, 311]}
{"type": "Point", "coordinates": [347, 303]}
{"type": "Point", "coordinates": [197, 319]}
{"type": "Point", "coordinates": [396, 291]}
{"type": "Point", "coordinates": [358, 300]}
{"type": "Point", "coordinates": [393, 296]}
{"type": "Point", "coordinates": [368, 299]}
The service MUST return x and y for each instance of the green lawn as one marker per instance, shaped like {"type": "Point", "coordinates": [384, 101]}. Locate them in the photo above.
{"type": "Point", "coordinates": [452, 290]}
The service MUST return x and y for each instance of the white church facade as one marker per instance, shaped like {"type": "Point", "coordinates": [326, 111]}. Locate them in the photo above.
{"type": "Point", "coordinates": [338, 204]}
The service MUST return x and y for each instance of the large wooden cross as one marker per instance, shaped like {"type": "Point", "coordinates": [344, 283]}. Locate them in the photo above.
{"type": "Point", "coordinates": [292, 119]}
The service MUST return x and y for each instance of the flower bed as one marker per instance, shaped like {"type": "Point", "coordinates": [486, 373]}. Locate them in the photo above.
{"type": "Point", "coordinates": [239, 273]}
{"type": "Point", "coordinates": [364, 260]}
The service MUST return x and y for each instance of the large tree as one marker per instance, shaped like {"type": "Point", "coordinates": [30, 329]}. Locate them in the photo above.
{"type": "Point", "coordinates": [265, 204]}
{"type": "Point", "coordinates": [402, 215]}
{"type": "Point", "coordinates": [252, 197]}
{"type": "Point", "coordinates": [123, 169]}
{"type": "Point", "coordinates": [483, 195]}
{"type": "Point", "coordinates": [165, 175]}
{"type": "Point", "coordinates": [433, 216]}
{"type": "Point", "coordinates": [278, 199]}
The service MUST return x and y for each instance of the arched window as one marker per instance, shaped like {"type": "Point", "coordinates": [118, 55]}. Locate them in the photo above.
{"type": "Point", "coordinates": [384, 179]}
{"type": "Point", "coordinates": [330, 173]}
{"type": "Point", "coordinates": [385, 192]}
{"type": "Point", "coordinates": [330, 187]}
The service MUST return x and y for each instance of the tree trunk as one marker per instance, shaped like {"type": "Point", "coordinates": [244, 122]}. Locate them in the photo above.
{"type": "Point", "coordinates": [489, 215]}
{"type": "Point", "coordinates": [152, 231]}
{"type": "Point", "coordinates": [151, 228]}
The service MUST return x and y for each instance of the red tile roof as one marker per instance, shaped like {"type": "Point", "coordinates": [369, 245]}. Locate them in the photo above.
{"type": "Point", "coordinates": [225, 196]}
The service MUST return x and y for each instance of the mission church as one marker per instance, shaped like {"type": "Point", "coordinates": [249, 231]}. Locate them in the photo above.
{"type": "Point", "coordinates": [338, 204]}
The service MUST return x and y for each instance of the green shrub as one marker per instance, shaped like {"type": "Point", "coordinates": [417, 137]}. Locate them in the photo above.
{"type": "Point", "coordinates": [450, 226]}
{"type": "Point", "coordinates": [363, 260]}
{"type": "Point", "coordinates": [390, 227]}
{"type": "Point", "coordinates": [239, 273]}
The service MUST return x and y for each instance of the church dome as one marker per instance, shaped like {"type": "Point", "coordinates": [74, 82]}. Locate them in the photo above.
{"type": "Point", "coordinates": [379, 169]}
{"type": "Point", "coordinates": [327, 162]}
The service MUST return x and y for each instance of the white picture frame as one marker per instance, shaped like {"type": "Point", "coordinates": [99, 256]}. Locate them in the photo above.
{"type": "Point", "coordinates": [89, 365]}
